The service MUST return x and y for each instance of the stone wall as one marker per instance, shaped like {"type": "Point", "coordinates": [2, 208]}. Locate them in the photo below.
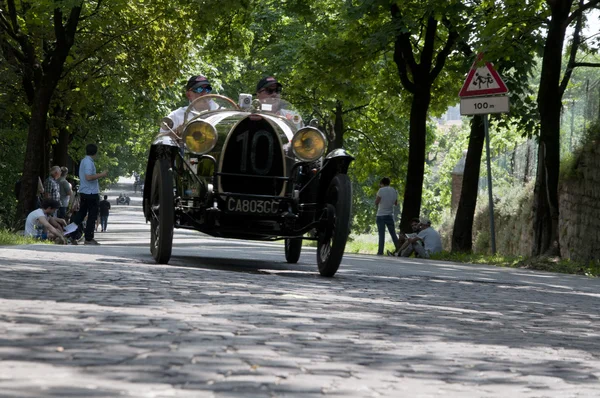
{"type": "Point", "coordinates": [579, 221]}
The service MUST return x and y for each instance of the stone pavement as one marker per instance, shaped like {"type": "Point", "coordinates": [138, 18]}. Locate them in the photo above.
{"type": "Point", "coordinates": [232, 319]}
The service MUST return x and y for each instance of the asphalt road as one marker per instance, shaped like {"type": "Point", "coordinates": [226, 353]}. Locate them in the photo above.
{"type": "Point", "coordinates": [231, 319]}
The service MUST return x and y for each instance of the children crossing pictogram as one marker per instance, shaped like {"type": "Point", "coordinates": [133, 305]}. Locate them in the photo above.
{"type": "Point", "coordinates": [482, 80]}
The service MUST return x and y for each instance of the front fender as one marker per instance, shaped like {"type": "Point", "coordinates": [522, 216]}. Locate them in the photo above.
{"type": "Point", "coordinates": [336, 162]}
{"type": "Point", "coordinates": [339, 159]}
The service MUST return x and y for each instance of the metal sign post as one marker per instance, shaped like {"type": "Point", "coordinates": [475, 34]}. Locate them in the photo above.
{"type": "Point", "coordinates": [489, 178]}
{"type": "Point", "coordinates": [483, 93]}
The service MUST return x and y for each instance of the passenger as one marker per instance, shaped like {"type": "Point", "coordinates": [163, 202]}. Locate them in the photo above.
{"type": "Point", "coordinates": [268, 91]}
{"type": "Point", "coordinates": [432, 242]}
{"type": "Point", "coordinates": [41, 225]}
{"type": "Point", "coordinates": [268, 88]}
{"type": "Point", "coordinates": [196, 87]}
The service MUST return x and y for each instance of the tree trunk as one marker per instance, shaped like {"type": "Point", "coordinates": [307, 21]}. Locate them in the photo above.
{"type": "Point", "coordinates": [545, 204]}
{"type": "Point", "coordinates": [60, 155]}
{"type": "Point", "coordinates": [462, 234]}
{"type": "Point", "coordinates": [35, 152]}
{"type": "Point", "coordinates": [338, 128]}
{"type": "Point", "coordinates": [44, 77]}
{"type": "Point", "coordinates": [411, 206]}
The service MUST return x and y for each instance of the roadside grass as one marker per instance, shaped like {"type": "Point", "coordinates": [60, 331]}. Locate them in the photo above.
{"type": "Point", "coordinates": [8, 238]}
{"type": "Point", "coordinates": [549, 264]}
{"type": "Point", "coordinates": [367, 244]}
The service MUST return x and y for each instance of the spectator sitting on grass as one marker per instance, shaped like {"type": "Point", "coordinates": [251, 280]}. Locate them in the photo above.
{"type": "Point", "coordinates": [41, 225]}
{"type": "Point", "coordinates": [432, 243]}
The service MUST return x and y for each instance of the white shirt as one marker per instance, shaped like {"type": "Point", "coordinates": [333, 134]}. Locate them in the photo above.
{"type": "Point", "coordinates": [388, 196]}
{"type": "Point", "coordinates": [431, 240]}
{"type": "Point", "coordinates": [177, 116]}
{"type": "Point", "coordinates": [32, 225]}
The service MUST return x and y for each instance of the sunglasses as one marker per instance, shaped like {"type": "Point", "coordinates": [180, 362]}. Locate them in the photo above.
{"type": "Point", "coordinates": [272, 90]}
{"type": "Point", "coordinates": [200, 90]}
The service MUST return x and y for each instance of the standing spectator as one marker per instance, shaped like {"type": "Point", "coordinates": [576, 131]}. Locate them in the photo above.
{"type": "Point", "coordinates": [387, 198]}
{"type": "Point", "coordinates": [104, 210]}
{"type": "Point", "coordinates": [66, 193]}
{"type": "Point", "coordinates": [89, 191]}
{"type": "Point", "coordinates": [430, 239]}
{"type": "Point", "coordinates": [51, 187]}
{"type": "Point", "coordinates": [75, 203]}
{"type": "Point", "coordinates": [41, 225]}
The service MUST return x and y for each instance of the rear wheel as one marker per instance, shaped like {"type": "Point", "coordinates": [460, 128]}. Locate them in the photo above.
{"type": "Point", "coordinates": [332, 238]}
{"type": "Point", "coordinates": [162, 213]}
{"type": "Point", "coordinates": [293, 248]}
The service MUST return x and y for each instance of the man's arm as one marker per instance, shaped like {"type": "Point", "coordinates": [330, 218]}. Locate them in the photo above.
{"type": "Point", "coordinates": [377, 200]}
{"type": "Point", "coordinates": [92, 177]}
{"type": "Point", "coordinates": [51, 228]}
{"type": "Point", "coordinates": [58, 222]}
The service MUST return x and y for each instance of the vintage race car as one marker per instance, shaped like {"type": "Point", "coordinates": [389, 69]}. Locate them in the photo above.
{"type": "Point", "coordinates": [123, 199]}
{"type": "Point", "coordinates": [249, 171]}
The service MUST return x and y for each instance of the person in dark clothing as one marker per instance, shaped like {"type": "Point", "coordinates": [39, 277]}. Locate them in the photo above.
{"type": "Point", "coordinates": [104, 210]}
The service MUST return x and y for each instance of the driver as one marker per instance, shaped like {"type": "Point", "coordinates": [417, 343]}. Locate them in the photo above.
{"type": "Point", "coordinates": [196, 87]}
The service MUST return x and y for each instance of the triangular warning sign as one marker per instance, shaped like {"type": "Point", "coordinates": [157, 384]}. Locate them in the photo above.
{"type": "Point", "coordinates": [482, 81]}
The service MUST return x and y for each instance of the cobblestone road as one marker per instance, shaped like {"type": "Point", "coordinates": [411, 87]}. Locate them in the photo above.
{"type": "Point", "coordinates": [232, 319]}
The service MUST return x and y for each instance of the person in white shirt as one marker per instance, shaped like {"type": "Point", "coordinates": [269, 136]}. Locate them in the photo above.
{"type": "Point", "coordinates": [196, 87]}
{"type": "Point", "coordinates": [430, 239]}
{"type": "Point", "coordinates": [386, 199]}
{"type": "Point", "coordinates": [41, 225]}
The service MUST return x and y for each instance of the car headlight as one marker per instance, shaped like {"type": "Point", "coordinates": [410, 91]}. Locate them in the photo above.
{"type": "Point", "coordinates": [308, 144]}
{"type": "Point", "coordinates": [199, 137]}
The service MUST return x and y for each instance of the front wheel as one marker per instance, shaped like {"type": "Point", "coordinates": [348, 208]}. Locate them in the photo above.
{"type": "Point", "coordinates": [293, 248]}
{"type": "Point", "coordinates": [162, 212]}
{"type": "Point", "coordinates": [332, 238]}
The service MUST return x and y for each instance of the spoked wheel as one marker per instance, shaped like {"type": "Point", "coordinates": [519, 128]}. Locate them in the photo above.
{"type": "Point", "coordinates": [293, 248]}
{"type": "Point", "coordinates": [332, 239]}
{"type": "Point", "coordinates": [161, 207]}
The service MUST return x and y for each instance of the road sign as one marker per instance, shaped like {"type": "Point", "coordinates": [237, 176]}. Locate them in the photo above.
{"type": "Point", "coordinates": [482, 81]}
{"type": "Point", "coordinates": [484, 105]}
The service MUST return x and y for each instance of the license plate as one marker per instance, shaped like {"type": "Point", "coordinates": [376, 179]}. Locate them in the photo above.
{"type": "Point", "coordinates": [252, 206]}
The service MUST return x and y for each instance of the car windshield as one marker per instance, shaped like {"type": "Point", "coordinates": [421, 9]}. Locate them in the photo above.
{"type": "Point", "coordinates": [271, 105]}
{"type": "Point", "coordinates": [280, 107]}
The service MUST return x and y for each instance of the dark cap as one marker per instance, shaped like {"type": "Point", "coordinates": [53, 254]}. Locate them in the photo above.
{"type": "Point", "coordinates": [197, 81]}
{"type": "Point", "coordinates": [267, 81]}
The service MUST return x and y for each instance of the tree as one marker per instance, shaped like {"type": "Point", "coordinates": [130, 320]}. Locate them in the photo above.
{"type": "Point", "coordinates": [418, 67]}
{"type": "Point", "coordinates": [104, 39]}
{"type": "Point", "coordinates": [551, 89]}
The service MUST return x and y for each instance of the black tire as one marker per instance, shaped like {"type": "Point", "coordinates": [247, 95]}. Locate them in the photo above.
{"type": "Point", "coordinates": [293, 248]}
{"type": "Point", "coordinates": [332, 239]}
{"type": "Point", "coordinates": [162, 212]}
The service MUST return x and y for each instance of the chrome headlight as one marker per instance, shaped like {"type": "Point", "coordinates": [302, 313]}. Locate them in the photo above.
{"type": "Point", "coordinates": [308, 144]}
{"type": "Point", "coordinates": [199, 137]}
